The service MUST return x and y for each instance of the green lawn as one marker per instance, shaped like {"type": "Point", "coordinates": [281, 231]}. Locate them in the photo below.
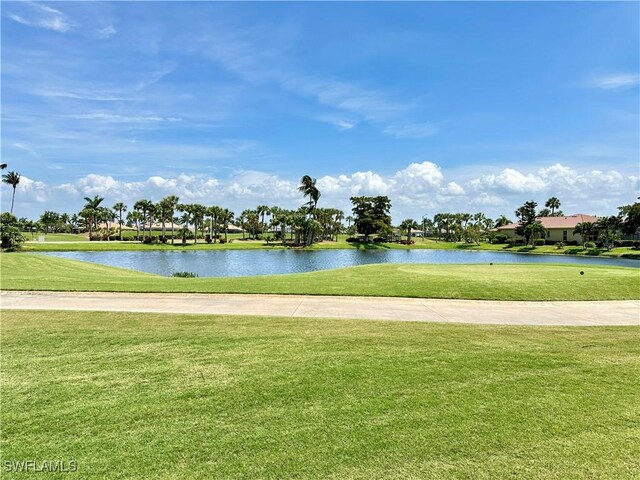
{"type": "Point", "coordinates": [19, 271]}
{"type": "Point", "coordinates": [79, 242]}
{"type": "Point", "coordinates": [141, 396]}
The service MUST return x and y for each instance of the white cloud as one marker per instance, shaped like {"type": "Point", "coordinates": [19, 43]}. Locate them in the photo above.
{"type": "Point", "coordinates": [113, 118]}
{"type": "Point", "coordinates": [37, 15]}
{"type": "Point", "coordinates": [509, 180]}
{"type": "Point", "coordinates": [614, 82]}
{"type": "Point", "coordinates": [416, 190]}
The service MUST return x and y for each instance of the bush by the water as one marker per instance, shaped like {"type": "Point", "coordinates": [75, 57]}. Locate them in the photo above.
{"type": "Point", "coordinates": [184, 274]}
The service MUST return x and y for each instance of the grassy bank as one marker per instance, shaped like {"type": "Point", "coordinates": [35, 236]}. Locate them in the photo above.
{"type": "Point", "coordinates": [188, 397]}
{"type": "Point", "coordinates": [68, 242]}
{"type": "Point", "coordinates": [495, 282]}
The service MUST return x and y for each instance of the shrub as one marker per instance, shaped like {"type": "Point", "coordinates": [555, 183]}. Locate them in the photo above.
{"type": "Point", "coordinates": [499, 238]}
{"type": "Point", "coordinates": [636, 245]}
{"type": "Point", "coordinates": [379, 240]}
{"type": "Point", "coordinates": [623, 243]}
{"type": "Point", "coordinates": [222, 240]}
{"type": "Point", "coordinates": [560, 245]}
{"type": "Point", "coordinates": [351, 239]}
{"type": "Point", "coordinates": [149, 240]}
{"type": "Point", "coordinates": [572, 242]}
{"type": "Point", "coordinates": [539, 242]}
{"type": "Point", "coordinates": [208, 238]}
{"type": "Point", "coordinates": [407, 242]}
{"type": "Point", "coordinates": [590, 245]}
{"type": "Point", "coordinates": [184, 274]}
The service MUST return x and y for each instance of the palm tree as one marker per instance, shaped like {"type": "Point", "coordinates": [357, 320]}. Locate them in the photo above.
{"type": "Point", "coordinates": [609, 228]}
{"type": "Point", "coordinates": [119, 208]}
{"type": "Point", "coordinates": [13, 179]}
{"type": "Point", "coordinates": [135, 217]}
{"type": "Point", "coordinates": [408, 225]}
{"type": "Point", "coordinates": [309, 189]}
{"type": "Point", "coordinates": [91, 209]}
{"type": "Point", "coordinates": [241, 219]}
{"type": "Point", "coordinates": [585, 230]}
{"type": "Point", "coordinates": [262, 211]}
{"type": "Point", "coordinates": [533, 231]}
{"type": "Point", "coordinates": [502, 221]}
{"type": "Point", "coordinates": [226, 217]}
{"type": "Point", "coordinates": [215, 214]}
{"type": "Point", "coordinates": [3, 166]}
{"type": "Point", "coordinates": [553, 203]}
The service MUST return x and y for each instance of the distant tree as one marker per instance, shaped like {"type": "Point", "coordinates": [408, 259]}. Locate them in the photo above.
{"type": "Point", "coordinates": [90, 211]}
{"type": "Point", "coordinates": [49, 220]}
{"type": "Point", "coordinates": [554, 204]}
{"type": "Point", "coordinates": [119, 208]}
{"type": "Point", "coordinates": [502, 221]}
{"type": "Point", "coordinates": [630, 215]}
{"type": "Point", "coordinates": [309, 189]}
{"type": "Point", "coordinates": [585, 230]}
{"type": "Point", "coordinates": [408, 225]}
{"type": "Point", "coordinates": [134, 218]}
{"type": "Point", "coordinates": [533, 231]}
{"type": "Point", "coordinates": [13, 179]}
{"type": "Point", "coordinates": [545, 212]}
{"type": "Point", "coordinates": [526, 216]}
{"type": "Point", "coordinates": [609, 228]}
{"type": "Point", "coordinates": [372, 215]}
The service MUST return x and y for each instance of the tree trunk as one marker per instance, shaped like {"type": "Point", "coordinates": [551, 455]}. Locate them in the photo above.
{"type": "Point", "coordinates": [13, 197]}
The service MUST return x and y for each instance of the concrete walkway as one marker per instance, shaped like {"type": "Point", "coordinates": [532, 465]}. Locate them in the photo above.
{"type": "Point", "coordinates": [305, 306]}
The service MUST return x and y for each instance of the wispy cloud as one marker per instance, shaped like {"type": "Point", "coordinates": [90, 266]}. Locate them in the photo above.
{"type": "Point", "coordinates": [106, 32]}
{"type": "Point", "coordinates": [614, 82]}
{"type": "Point", "coordinates": [412, 130]}
{"type": "Point", "coordinates": [110, 117]}
{"type": "Point", "coordinates": [37, 15]}
{"type": "Point", "coordinates": [78, 95]}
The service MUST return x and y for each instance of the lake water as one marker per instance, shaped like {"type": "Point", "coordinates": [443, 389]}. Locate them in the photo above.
{"type": "Point", "coordinates": [236, 263]}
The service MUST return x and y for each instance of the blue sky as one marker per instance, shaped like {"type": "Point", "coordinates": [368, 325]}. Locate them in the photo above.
{"type": "Point", "coordinates": [441, 106]}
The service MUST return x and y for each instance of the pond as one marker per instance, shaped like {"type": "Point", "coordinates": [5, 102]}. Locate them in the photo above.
{"type": "Point", "coordinates": [236, 263]}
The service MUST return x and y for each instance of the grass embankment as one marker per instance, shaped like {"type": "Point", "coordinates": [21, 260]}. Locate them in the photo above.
{"type": "Point", "coordinates": [79, 242]}
{"type": "Point", "coordinates": [142, 396]}
{"type": "Point", "coordinates": [489, 282]}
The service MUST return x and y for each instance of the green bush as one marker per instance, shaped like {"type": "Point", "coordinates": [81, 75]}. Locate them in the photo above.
{"type": "Point", "coordinates": [539, 242]}
{"type": "Point", "coordinates": [499, 238]}
{"type": "Point", "coordinates": [590, 245]}
{"type": "Point", "coordinates": [184, 274]}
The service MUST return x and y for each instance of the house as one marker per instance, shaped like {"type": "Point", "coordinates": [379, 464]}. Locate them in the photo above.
{"type": "Point", "coordinates": [559, 229]}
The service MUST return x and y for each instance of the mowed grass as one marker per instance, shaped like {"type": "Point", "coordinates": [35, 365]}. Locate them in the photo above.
{"type": "Point", "coordinates": [497, 282]}
{"type": "Point", "coordinates": [141, 396]}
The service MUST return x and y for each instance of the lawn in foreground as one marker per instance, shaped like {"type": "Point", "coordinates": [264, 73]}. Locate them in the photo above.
{"type": "Point", "coordinates": [488, 282]}
{"type": "Point", "coordinates": [177, 396]}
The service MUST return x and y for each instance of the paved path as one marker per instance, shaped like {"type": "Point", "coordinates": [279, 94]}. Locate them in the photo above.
{"type": "Point", "coordinates": [373, 308]}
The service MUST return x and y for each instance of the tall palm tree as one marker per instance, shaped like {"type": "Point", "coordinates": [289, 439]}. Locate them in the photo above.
{"type": "Point", "coordinates": [226, 217]}
{"type": "Point", "coordinates": [13, 179]}
{"type": "Point", "coordinates": [119, 208]}
{"type": "Point", "coordinates": [241, 219]}
{"type": "Point", "coordinates": [553, 203]}
{"type": "Point", "coordinates": [91, 208]}
{"type": "Point", "coordinates": [135, 217]}
{"type": "Point", "coordinates": [262, 211]}
{"type": "Point", "coordinates": [309, 189]}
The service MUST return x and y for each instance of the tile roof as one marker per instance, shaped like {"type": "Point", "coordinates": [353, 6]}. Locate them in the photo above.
{"type": "Point", "coordinates": [568, 221]}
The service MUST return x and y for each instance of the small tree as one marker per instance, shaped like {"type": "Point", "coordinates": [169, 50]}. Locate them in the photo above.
{"type": "Point", "coordinates": [10, 235]}
{"type": "Point", "coordinates": [408, 225]}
